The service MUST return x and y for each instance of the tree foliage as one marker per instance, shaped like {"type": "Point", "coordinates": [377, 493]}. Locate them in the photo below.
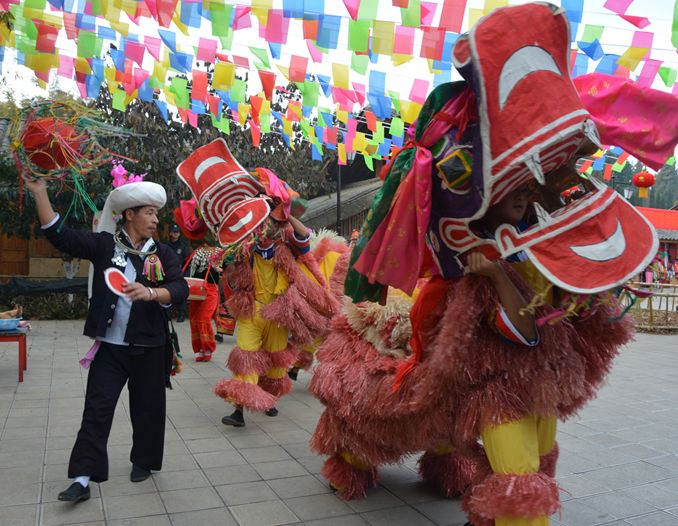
{"type": "Point", "coordinates": [157, 147]}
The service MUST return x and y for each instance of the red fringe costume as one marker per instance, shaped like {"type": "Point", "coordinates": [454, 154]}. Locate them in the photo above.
{"type": "Point", "coordinates": [300, 309]}
{"type": "Point", "coordinates": [468, 379]}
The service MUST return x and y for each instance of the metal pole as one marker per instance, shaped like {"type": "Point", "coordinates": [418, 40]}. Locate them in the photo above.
{"type": "Point", "coordinates": [338, 199]}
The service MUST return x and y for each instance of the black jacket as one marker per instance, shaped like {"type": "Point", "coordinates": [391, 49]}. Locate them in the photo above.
{"type": "Point", "coordinates": [147, 323]}
{"type": "Point", "coordinates": [181, 249]}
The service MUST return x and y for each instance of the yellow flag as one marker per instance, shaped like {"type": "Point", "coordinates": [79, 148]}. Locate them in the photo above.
{"type": "Point", "coordinates": [260, 10]}
{"type": "Point", "coordinates": [359, 142]}
{"type": "Point", "coordinates": [287, 126]}
{"type": "Point", "coordinates": [341, 151]}
{"type": "Point", "coordinates": [109, 75]}
{"type": "Point", "coordinates": [493, 4]}
{"type": "Point", "coordinates": [473, 16]}
{"type": "Point", "coordinates": [82, 66]}
{"type": "Point", "coordinates": [342, 116]}
{"type": "Point", "coordinates": [160, 72]}
{"type": "Point", "coordinates": [120, 27]}
{"type": "Point", "coordinates": [409, 110]}
{"type": "Point", "coordinates": [632, 57]}
{"type": "Point", "coordinates": [340, 75]}
{"type": "Point", "coordinates": [285, 70]}
{"type": "Point", "coordinates": [175, 18]}
{"type": "Point", "coordinates": [129, 7]}
{"type": "Point", "coordinates": [243, 112]}
{"type": "Point", "coordinates": [399, 60]}
{"type": "Point", "coordinates": [223, 76]}
{"type": "Point", "coordinates": [41, 62]}
{"type": "Point", "coordinates": [382, 37]}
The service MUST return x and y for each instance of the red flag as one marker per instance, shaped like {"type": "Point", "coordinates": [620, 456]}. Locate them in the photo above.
{"type": "Point", "coordinates": [267, 82]}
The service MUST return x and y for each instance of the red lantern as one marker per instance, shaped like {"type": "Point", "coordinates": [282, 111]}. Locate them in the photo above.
{"type": "Point", "coordinates": [50, 143]}
{"type": "Point", "coordinates": [643, 181]}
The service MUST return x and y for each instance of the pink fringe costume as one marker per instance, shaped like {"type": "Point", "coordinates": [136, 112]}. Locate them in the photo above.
{"type": "Point", "coordinates": [273, 320]}
{"type": "Point", "coordinates": [332, 256]}
{"type": "Point", "coordinates": [468, 380]}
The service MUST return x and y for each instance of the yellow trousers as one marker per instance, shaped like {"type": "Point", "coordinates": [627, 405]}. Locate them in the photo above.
{"type": "Point", "coordinates": [255, 334]}
{"type": "Point", "coordinates": [515, 448]}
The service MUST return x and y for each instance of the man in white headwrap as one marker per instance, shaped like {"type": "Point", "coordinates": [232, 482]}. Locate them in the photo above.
{"type": "Point", "coordinates": [130, 330]}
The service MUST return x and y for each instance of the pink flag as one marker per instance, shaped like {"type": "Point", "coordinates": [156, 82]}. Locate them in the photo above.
{"type": "Point", "coordinates": [242, 17]}
{"type": "Point", "coordinates": [638, 119]}
{"type": "Point", "coordinates": [352, 7]}
{"type": "Point", "coordinates": [428, 11]}
{"type": "Point", "coordinates": [207, 49]}
{"type": "Point", "coordinates": [135, 51]}
{"type": "Point", "coordinates": [453, 15]}
{"type": "Point", "coordinates": [618, 6]}
{"type": "Point", "coordinates": [153, 46]}
{"type": "Point", "coordinates": [65, 66]}
{"type": "Point", "coordinates": [403, 43]}
{"type": "Point", "coordinates": [277, 26]}
{"type": "Point", "coordinates": [649, 72]}
{"type": "Point", "coordinates": [315, 53]}
{"type": "Point", "coordinates": [639, 21]}
{"type": "Point", "coordinates": [419, 90]}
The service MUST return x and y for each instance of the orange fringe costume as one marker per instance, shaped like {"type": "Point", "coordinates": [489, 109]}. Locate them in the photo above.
{"type": "Point", "coordinates": [279, 304]}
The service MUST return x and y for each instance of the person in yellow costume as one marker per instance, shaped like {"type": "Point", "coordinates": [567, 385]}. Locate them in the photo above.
{"type": "Point", "coordinates": [280, 300]}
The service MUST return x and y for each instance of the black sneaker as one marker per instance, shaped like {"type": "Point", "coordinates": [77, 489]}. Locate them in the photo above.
{"type": "Point", "coordinates": [181, 318]}
{"type": "Point", "coordinates": [75, 493]}
{"type": "Point", "coordinates": [293, 373]}
{"type": "Point", "coordinates": [236, 419]}
{"type": "Point", "coordinates": [219, 338]}
{"type": "Point", "coordinates": [139, 474]}
{"type": "Point", "coordinates": [272, 412]}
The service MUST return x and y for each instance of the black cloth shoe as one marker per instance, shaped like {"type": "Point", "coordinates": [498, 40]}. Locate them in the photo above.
{"type": "Point", "coordinates": [75, 493]}
{"type": "Point", "coordinates": [219, 338]}
{"type": "Point", "coordinates": [293, 373]}
{"type": "Point", "coordinates": [236, 419]}
{"type": "Point", "coordinates": [180, 318]}
{"type": "Point", "coordinates": [139, 474]}
{"type": "Point", "coordinates": [272, 412]}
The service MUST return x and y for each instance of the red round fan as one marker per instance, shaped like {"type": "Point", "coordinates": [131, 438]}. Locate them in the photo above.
{"type": "Point", "coordinates": [115, 280]}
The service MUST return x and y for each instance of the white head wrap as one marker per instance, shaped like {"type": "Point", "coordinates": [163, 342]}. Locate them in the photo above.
{"type": "Point", "coordinates": [129, 195]}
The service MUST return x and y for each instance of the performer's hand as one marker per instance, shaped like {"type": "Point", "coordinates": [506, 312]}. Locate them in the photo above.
{"type": "Point", "coordinates": [137, 292]}
{"type": "Point", "coordinates": [477, 263]}
{"type": "Point", "coordinates": [35, 185]}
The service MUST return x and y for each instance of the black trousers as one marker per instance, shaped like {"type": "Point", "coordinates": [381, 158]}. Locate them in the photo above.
{"type": "Point", "coordinates": [143, 368]}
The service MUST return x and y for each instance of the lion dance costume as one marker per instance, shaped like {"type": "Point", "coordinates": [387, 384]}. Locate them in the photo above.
{"type": "Point", "coordinates": [438, 371]}
{"type": "Point", "coordinates": [280, 298]}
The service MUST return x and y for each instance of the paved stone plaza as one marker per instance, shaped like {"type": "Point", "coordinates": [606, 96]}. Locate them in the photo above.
{"type": "Point", "coordinates": [618, 464]}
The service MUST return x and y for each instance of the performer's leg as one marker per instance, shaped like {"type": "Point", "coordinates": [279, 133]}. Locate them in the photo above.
{"type": "Point", "coordinates": [147, 408]}
{"type": "Point", "coordinates": [282, 355]}
{"type": "Point", "coordinates": [548, 447]}
{"type": "Point", "coordinates": [193, 320]}
{"type": "Point", "coordinates": [107, 375]}
{"type": "Point", "coordinates": [247, 361]}
{"type": "Point", "coordinates": [208, 308]}
{"type": "Point", "coordinates": [516, 494]}
{"type": "Point", "coordinates": [448, 471]}
{"type": "Point", "coordinates": [305, 357]}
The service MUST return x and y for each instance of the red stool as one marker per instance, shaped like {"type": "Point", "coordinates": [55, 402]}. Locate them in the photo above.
{"type": "Point", "coordinates": [20, 338]}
